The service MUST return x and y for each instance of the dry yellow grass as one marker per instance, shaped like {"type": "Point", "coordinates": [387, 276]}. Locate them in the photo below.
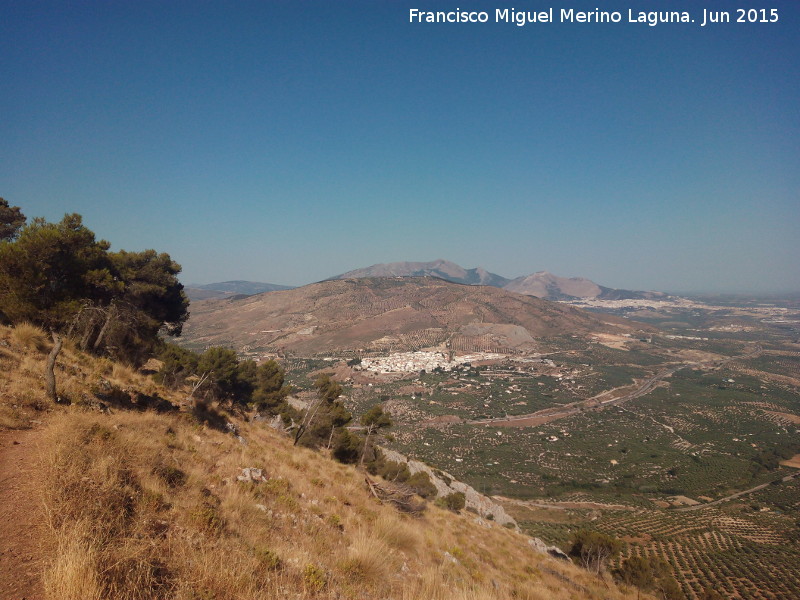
{"type": "Point", "coordinates": [146, 506]}
{"type": "Point", "coordinates": [29, 337]}
{"type": "Point", "coordinates": [73, 573]}
{"type": "Point", "coordinates": [159, 497]}
{"type": "Point", "coordinates": [398, 532]}
{"type": "Point", "coordinates": [78, 377]}
{"type": "Point", "coordinates": [368, 558]}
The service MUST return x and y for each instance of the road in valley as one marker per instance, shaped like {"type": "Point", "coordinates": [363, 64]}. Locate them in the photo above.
{"type": "Point", "coordinates": [738, 494]}
{"type": "Point", "coordinates": [573, 408]}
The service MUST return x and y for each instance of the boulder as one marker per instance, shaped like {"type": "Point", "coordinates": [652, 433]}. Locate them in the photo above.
{"type": "Point", "coordinates": [539, 546]}
{"type": "Point", "coordinates": [446, 484]}
{"type": "Point", "coordinates": [251, 475]}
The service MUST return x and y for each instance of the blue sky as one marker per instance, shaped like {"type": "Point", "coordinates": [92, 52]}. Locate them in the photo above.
{"type": "Point", "coordinates": [290, 141]}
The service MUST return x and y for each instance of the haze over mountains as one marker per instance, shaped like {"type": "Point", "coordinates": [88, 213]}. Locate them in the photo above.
{"type": "Point", "coordinates": [541, 284]}
{"type": "Point", "coordinates": [226, 289]}
{"type": "Point", "coordinates": [443, 269]}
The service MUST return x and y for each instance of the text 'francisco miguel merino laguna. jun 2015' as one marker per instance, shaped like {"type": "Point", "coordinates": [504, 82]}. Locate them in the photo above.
{"type": "Point", "coordinates": [520, 18]}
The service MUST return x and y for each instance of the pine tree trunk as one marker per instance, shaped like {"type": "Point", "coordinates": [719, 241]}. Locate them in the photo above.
{"type": "Point", "coordinates": [49, 372]}
{"type": "Point", "coordinates": [330, 438]}
{"type": "Point", "coordinates": [364, 451]}
{"type": "Point", "coordinates": [109, 316]}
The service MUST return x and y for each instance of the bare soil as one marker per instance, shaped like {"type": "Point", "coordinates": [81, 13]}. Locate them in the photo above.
{"type": "Point", "coordinates": [788, 416]}
{"type": "Point", "coordinates": [793, 462]}
{"type": "Point", "coordinates": [21, 518]}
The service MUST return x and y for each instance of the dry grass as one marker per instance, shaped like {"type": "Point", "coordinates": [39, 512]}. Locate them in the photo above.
{"type": "Point", "coordinates": [369, 559]}
{"type": "Point", "coordinates": [22, 396]}
{"type": "Point", "coordinates": [30, 337]}
{"type": "Point", "coordinates": [124, 374]}
{"type": "Point", "coordinates": [398, 532]}
{"type": "Point", "coordinates": [73, 574]}
{"type": "Point", "coordinates": [23, 352]}
{"type": "Point", "coordinates": [163, 516]}
{"type": "Point", "coordinates": [145, 506]}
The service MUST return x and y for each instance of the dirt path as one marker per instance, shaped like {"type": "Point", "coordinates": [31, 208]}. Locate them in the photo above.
{"type": "Point", "coordinates": [21, 522]}
{"type": "Point", "coordinates": [641, 388]}
{"type": "Point", "coordinates": [736, 495]}
{"type": "Point", "coordinates": [564, 505]}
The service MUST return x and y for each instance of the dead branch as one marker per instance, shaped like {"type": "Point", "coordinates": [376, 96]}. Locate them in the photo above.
{"type": "Point", "coordinates": [400, 496]}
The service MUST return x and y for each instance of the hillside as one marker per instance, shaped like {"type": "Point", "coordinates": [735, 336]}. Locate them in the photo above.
{"type": "Point", "coordinates": [154, 503]}
{"type": "Point", "coordinates": [384, 313]}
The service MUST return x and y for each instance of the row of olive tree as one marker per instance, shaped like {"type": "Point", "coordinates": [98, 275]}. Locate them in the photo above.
{"type": "Point", "coordinates": [593, 550]}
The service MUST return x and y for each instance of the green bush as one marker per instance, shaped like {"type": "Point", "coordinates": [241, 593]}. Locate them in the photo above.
{"type": "Point", "coordinates": [267, 559]}
{"type": "Point", "coordinates": [421, 483]}
{"type": "Point", "coordinates": [347, 446]}
{"type": "Point", "coordinates": [455, 501]}
{"type": "Point", "coordinates": [314, 578]}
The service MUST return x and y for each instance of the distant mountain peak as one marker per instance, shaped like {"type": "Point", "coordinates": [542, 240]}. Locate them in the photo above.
{"type": "Point", "coordinates": [546, 285]}
{"type": "Point", "coordinates": [542, 284]}
{"type": "Point", "coordinates": [443, 269]}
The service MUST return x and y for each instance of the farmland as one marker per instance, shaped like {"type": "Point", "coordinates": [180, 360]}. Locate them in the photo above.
{"type": "Point", "coordinates": [624, 435]}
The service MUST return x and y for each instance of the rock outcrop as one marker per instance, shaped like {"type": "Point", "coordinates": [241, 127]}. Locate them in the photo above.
{"type": "Point", "coordinates": [554, 551]}
{"type": "Point", "coordinates": [447, 484]}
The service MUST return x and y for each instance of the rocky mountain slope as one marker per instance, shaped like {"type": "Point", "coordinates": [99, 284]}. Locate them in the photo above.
{"type": "Point", "coordinates": [546, 285]}
{"type": "Point", "coordinates": [389, 313]}
{"type": "Point", "coordinates": [552, 287]}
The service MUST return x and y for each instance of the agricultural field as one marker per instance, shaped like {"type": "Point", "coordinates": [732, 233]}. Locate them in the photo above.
{"type": "Point", "coordinates": [743, 550]}
{"type": "Point", "coordinates": [638, 438]}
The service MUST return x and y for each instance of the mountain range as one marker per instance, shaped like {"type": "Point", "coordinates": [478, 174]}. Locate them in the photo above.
{"type": "Point", "coordinates": [541, 284]}
{"type": "Point", "coordinates": [443, 269]}
{"type": "Point", "coordinates": [389, 313]}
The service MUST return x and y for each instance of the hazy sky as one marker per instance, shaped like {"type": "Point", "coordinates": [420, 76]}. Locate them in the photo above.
{"type": "Point", "coordinates": [290, 141]}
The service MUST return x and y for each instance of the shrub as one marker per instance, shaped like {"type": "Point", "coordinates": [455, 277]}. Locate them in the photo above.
{"type": "Point", "coordinates": [314, 578]}
{"type": "Point", "coordinates": [347, 447]}
{"type": "Point", "coordinates": [336, 522]}
{"type": "Point", "coordinates": [207, 518]}
{"type": "Point", "coordinates": [422, 484]}
{"type": "Point", "coordinates": [267, 559]}
{"type": "Point", "coordinates": [594, 549]}
{"type": "Point", "coordinates": [172, 476]}
{"type": "Point", "coordinates": [389, 470]}
{"type": "Point", "coordinates": [455, 501]}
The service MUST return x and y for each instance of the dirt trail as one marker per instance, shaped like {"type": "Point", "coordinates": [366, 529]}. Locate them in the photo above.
{"type": "Point", "coordinates": [640, 388]}
{"type": "Point", "coordinates": [736, 495]}
{"type": "Point", "coordinates": [21, 521]}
